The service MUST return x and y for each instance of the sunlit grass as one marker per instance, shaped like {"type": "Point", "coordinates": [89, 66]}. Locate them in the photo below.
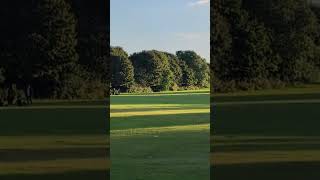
{"type": "Point", "coordinates": [198, 91]}
{"type": "Point", "coordinates": [160, 136]}
{"type": "Point", "coordinates": [160, 112]}
{"type": "Point", "coordinates": [160, 130]}
{"type": "Point", "coordinates": [155, 106]}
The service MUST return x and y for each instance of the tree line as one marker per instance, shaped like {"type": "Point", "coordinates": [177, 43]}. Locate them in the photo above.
{"type": "Point", "coordinates": [260, 44]}
{"type": "Point", "coordinates": [153, 71]}
{"type": "Point", "coordinates": [56, 47]}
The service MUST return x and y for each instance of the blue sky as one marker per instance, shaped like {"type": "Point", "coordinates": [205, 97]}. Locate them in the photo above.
{"type": "Point", "coordinates": [166, 25]}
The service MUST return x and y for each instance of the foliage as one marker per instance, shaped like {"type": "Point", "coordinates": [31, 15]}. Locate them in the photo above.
{"type": "Point", "coordinates": [139, 89]}
{"type": "Point", "coordinates": [39, 47]}
{"type": "Point", "coordinates": [175, 68]}
{"type": "Point", "coordinates": [57, 32]}
{"type": "Point", "coordinates": [122, 75]}
{"type": "Point", "coordinates": [258, 43]}
{"type": "Point", "coordinates": [2, 78]}
{"type": "Point", "coordinates": [151, 69]}
{"type": "Point", "coordinates": [198, 67]}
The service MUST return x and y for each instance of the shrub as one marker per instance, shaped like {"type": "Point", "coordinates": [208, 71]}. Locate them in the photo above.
{"type": "Point", "coordinates": [192, 88]}
{"type": "Point", "coordinates": [114, 91]}
{"type": "Point", "coordinates": [12, 95]}
{"type": "Point", "coordinates": [139, 89]}
{"type": "Point", "coordinates": [245, 85]}
{"type": "Point", "coordinates": [21, 98]}
{"type": "Point", "coordinates": [3, 97]}
{"type": "Point", "coordinates": [174, 87]}
{"type": "Point", "coordinates": [278, 84]}
{"type": "Point", "coordinates": [224, 86]}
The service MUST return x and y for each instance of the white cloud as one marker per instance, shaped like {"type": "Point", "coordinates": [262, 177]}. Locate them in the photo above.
{"type": "Point", "coordinates": [199, 3]}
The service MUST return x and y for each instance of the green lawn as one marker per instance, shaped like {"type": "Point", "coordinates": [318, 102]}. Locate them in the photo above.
{"type": "Point", "coordinates": [266, 135]}
{"type": "Point", "coordinates": [54, 140]}
{"type": "Point", "coordinates": [160, 136]}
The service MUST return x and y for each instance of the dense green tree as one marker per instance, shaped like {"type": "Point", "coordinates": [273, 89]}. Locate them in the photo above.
{"type": "Point", "coordinates": [56, 37]}
{"type": "Point", "coordinates": [151, 69]}
{"type": "Point", "coordinates": [175, 67]}
{"type": "Point", "coordinates": [198, 65]}
{"type": "Point", "coordinates": [221, 43]}
{"type": "Point", "coordinates": [188, 76]}
{"type": "Point", "coordinates": [39, 47]}
{"type": "Point", "coordinates": [16, 24]}
{"type": "Point", "coordinates": [122, 76]}
{"type": "Point", "coordinates": [294, 26]}
{"type": "Point", "coordinates": [316, 11]}
{"type": "Point", "coordinates": [93, 56]}
{"type": "Point", "coordinates": [2, 78]}
{"type": "Point", "coordinates": [263, 41]}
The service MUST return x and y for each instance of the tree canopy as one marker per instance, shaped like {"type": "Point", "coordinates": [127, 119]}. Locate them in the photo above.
{"type": "Point", "coordinates": [264, 43]}
{"type": "Point", "coordinates": [42, 46]}
{"type": "Point", "coordinates": [158, 70]}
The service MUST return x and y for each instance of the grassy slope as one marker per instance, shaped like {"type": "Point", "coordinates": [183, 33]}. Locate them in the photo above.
{"type": "Point", "coordinates": [153, 137]}
{"type": "Point", "coordinates": [267, 140]}
{"type": "Point", "coordinates": [55, 140]}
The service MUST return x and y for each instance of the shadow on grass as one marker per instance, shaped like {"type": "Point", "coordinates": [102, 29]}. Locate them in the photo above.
{"type": "Point", "coordinates": [267, 120]}
{"type": "Point", "coordinates": [16, 155]}
{"type": "Point", "coordinates": [121, 123]}
{"type": "Point", "coordinates": [267, 171]}
{"type": "Point", "coordinates": [80, 175]}
{"type": "Point", "coordinates": [25, 122]}
{"type": "Point", "coordinates": [265, 147]}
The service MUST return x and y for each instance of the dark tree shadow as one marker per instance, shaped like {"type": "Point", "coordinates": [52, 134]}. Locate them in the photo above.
{"type": "Point", "coordinates": [79, 175]}
{"type": "Point", "coordinates": [267, 171]}
{"type": "Point", "coordinates": [24, 155]}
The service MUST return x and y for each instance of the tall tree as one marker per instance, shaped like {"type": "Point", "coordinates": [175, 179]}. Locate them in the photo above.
{"type": "Point", "coordinates": [294, 26]}
{"type": "Point", "coordinates": [122, 76]}
{"type": "Point", "coordinates": [198, 65]}
{"type": "Point", "coordinates": [151, 69]}
{"type": "Point", "coordinates": [175, 67]}
{"type": "Point", "coordinates": [56, 38]}
{"type": "Point", "coordinates": [221, 42]}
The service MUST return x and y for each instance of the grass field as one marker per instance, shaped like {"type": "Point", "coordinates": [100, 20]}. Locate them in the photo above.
{"type": "Point", "coordinates": [160, 136]}
{"type": "Point", "coordinates": [54, 140]}
{"type": "Point", "coordinates": [266, 135]}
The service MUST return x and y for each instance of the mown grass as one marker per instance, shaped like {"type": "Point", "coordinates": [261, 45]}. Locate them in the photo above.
{"type": "Point", "coordinates": [162, 136]}
{"type": "Point", "coordinates": [54, 140]}
{"type": "Point", "coordinates": [272, 138]}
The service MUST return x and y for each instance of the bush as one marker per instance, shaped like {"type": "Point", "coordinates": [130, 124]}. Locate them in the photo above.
{"type": "Point", "coordinates": [114, 91]}
{"type": "Point", "coordinates": [277, 84]}
{"type": "Point", "coordinates": [21, 98]}
{"type": "Point", "coordinates": [262, 84]}
{"type": "Point", "coordinates": [226, 86]}
{"type": "Point", "coordinates": [192, 88]}
{"type": "Point", "coordinates": [139, 89]}
{"type": "Point", "coordinates": [3, 97]}
{"type": "Point", "coordinates": [256, 84]}
{"type": "Point", "coordinates": [95, 89]}
{"type": "Point", "coordinates": [81, 85]}
{"type": "Point", "coordinates": [12, 95]}
{"type": "Point", "coordinates": [174, 87]}
{"type": "Point", "coordinates": [245, 85]}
